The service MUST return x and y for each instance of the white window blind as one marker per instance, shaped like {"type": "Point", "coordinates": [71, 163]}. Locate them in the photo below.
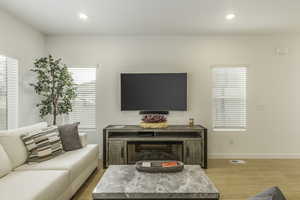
{"type": "Point", "coordinates": [9, 93]}
{"type": "Point", "coordinates": [3, 94]}
{"type": "Point", "coordinates": [229, 98]}
{"type": "Point", "coordinates": [84, 106]}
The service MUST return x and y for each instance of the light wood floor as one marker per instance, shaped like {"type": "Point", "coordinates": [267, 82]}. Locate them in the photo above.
{"type": "Point", "coordinates": [236, 182]}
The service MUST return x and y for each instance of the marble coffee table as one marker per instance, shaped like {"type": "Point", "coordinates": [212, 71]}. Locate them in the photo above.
{"type": "Point", "coordinates": [125, 182]}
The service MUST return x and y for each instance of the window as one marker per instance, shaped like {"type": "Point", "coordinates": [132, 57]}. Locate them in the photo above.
{"type": "Point", "coordinates": [8, 93]}
{"type": "Point", "coordinates": [229, 98]}
{"type": "Point", "coordinates": [84, 105]}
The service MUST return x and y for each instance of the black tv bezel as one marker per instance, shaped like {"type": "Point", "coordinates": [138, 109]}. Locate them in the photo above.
{"type": "Point", "coordinates": [155, 109]}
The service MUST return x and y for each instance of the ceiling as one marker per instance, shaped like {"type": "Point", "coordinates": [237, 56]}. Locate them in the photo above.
{"type": "Point", "coordinates": [158, 17]}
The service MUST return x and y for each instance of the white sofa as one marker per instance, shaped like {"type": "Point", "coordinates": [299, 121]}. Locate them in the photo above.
{"type": "Point", "coordinates": [55, 179]}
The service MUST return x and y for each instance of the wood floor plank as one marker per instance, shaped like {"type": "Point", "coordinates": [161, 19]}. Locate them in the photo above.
{"type": "Point", "coordinates": [236, 182]}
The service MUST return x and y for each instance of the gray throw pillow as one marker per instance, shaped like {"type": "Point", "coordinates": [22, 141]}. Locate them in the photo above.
{"type": "Point", "coordinates": [273, 193]}
{"type": "Point", "coordinates": [69, 136]}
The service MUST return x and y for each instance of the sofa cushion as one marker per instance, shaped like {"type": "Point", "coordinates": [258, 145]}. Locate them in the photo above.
{"type": "Point", "coordinates": [83, 139]}
{"type": "Point", "coordinates": [74, 161]}
{"type": "Point", "coordinates": [5, 165]}
{"type": "Point", "coordinates": [43, 144]}
{"type": "Point", "coordinates": [14, 146]}
{"type": "Point", "coordinates": [33, 185]}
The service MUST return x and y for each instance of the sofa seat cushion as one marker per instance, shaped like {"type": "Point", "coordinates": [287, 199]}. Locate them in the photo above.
{"type": "Point", "coordinates": [33, 185]}
{"type": "Point", "coordinates": [14, 146]}
{"type": "Point", "coordinates": [5, 165]}
{"type": "Point", "coordinates": [74, 161]}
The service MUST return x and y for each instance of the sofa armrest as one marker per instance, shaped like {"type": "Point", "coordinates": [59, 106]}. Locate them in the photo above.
{"type": "Point", "coordinates": [83, 139]}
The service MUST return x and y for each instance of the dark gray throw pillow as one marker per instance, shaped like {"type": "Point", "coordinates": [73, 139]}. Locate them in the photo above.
{"type": "Point", "coordinates": [69, 136]}
{"type": "Point", "coordinates": [273, 193]}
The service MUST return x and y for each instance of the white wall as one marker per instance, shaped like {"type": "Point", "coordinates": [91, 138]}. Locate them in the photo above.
{"type": "Point", "coordinates": [20, 41]}
{"type": "Point", "coordinates": [273, 94]}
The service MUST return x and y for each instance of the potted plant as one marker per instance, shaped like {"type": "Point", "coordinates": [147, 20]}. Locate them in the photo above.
{"type": "Point", "coordinates": [54, 84]}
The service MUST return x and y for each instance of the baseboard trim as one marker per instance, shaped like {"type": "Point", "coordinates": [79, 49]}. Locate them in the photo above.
{"type": "Point", "coordinates": [254, 156]}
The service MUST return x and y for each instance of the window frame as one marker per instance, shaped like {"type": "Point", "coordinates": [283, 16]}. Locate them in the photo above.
{"type": "Point", "coordinates": [96, 67]}
{"type": "Point", "coordinates": [226, 130]}
{"type": "Point", "coordinates": [12, 92]}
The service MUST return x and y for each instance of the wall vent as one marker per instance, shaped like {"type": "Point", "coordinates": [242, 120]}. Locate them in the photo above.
{"type": "Point", "coordinates": [237, 162]}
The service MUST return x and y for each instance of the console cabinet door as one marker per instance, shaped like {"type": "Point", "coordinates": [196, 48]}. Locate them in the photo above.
{"type": "Point", "coordinates": [193, 153]}
{"type": "Point", "coordinates": [117, 153]}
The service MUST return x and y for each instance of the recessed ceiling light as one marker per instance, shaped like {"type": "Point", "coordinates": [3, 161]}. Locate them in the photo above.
{"type": "Point", "coordinates": [82, 16]}
{"type": "Point", "coordinates": [230, 16]}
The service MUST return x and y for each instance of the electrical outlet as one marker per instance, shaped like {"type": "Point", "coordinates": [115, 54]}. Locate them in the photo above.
{"type": "Point", "coordinates": [282, 51]}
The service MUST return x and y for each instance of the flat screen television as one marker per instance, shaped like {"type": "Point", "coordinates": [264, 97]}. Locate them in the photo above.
{"type": "Point", "coordinates": [154, 91]}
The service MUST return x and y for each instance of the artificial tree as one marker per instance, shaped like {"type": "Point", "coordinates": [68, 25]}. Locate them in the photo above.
{"type": "Point", "coordinates": [55, 86]}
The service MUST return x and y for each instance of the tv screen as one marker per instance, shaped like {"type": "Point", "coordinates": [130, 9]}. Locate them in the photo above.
{"type": "Point", "coordinates": [154, 92]}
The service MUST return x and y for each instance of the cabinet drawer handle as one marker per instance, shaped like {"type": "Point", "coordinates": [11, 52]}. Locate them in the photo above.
{"type": "Point", "coordinates": [122, 152]}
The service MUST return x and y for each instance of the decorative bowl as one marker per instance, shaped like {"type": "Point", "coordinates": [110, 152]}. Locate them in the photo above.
{"type": "Point", "coordinates": [154, 125]}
